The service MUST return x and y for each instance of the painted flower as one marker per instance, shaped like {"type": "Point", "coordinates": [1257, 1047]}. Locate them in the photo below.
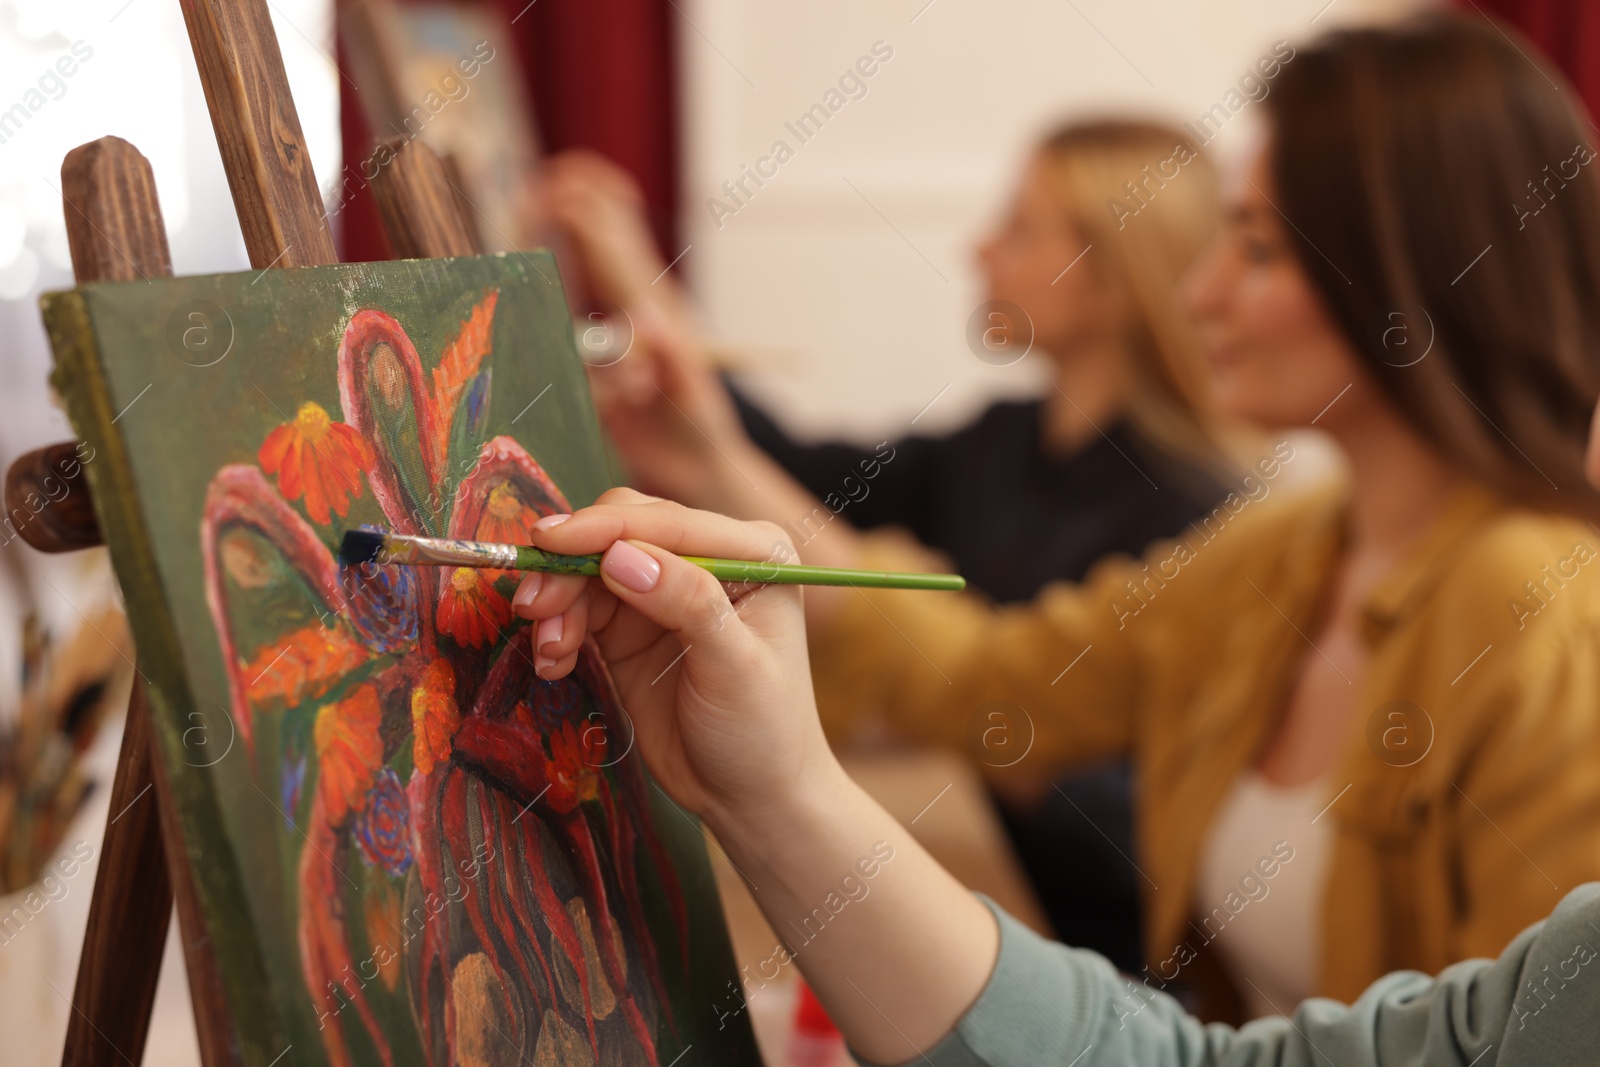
{"type": "Point", "coordinates": [573, 765]}
{"type": "Point", "coordinates": [507, 520]}
{"type": "Point", "coordinates": [318, 459]}
{"type": "Point", "coordinates": [435, 718]}
{"type": "Point", "coordinates": [349, 751]}
{"type": "Point", "coordinates": [382, 599]}
{"type": "Point", "coordinates": [486, 737]}
{"type": "Point", "coordinates": [383, 829]}
{"type": "Point", "coordinates": [304, 666]}
{"type": "Point", "coordinates": [471, 610]}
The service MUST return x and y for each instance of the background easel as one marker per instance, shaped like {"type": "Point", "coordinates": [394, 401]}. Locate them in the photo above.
{"type": "Point", "coordinates": [116, 233]}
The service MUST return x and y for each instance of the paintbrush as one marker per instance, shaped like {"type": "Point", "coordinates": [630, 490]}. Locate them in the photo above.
{"type": "Point", "coordinates": [374, 546]}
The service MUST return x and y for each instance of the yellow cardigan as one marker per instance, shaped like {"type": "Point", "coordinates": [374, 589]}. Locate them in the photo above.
{"type": "Point", "coordinates": [1472, 763]}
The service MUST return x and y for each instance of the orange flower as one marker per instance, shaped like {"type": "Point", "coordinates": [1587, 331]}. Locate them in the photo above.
{"type": "Point", "coordinates": [434, 716]}
{"type": "Point", "coordinates": [506, 520]}
{"type": "Point", "coordinates": [572, 766]}
{"type": "Point", "coordinates": [349, 751]}
{"type": "Point", "coordinates": [303, 665]}
{"type": "Point", "coordinates": [470, 610]}
{"type": "Point", "coordinates": [317, 458]}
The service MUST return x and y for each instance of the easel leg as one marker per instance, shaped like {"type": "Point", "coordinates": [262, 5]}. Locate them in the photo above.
{"type": "Point", "coordinates": [128, 913]}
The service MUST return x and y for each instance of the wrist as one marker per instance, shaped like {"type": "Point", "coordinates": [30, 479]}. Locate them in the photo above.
{"type": "Point", "coordinates": [808, 808]}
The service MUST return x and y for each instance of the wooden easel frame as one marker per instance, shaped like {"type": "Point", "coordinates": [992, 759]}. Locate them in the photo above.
{"type": "Point", "coordinates": [116, 233]}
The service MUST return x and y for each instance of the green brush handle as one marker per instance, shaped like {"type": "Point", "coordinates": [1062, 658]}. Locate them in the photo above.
{"type": "Point", "coordinates": [753, 571]}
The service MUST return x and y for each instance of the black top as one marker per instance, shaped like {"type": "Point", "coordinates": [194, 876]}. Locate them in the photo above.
{"type": "Point", "coordinates": [1010, 517]}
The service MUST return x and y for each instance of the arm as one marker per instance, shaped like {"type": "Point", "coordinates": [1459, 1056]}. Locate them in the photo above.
{"type": "Point", "coordinates": [1084, 670]}
{"type": "Point", "coordinates": [817, 466]}
{"type": "Point", "coordinates": [600, 209]}
{"type": "Point", "coordinates": [1045, 1003]}
{"type": "Point", "coordinates": [913, 968]}
{"type": "Point", "coordinates": [674, 422]}
{"type": "Point", "coordinates": [720, 698]}
{"type": "Point", "coordinates": [867, 485]}
{"type": "Point", "coordinates": [1060, 678]}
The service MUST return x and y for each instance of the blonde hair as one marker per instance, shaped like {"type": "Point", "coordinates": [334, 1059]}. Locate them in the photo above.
{"type": "Point", "coordinates": [1148, 201]}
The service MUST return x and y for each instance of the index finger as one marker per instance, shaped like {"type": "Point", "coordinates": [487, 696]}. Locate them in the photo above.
{"type": "Point", "coordinates": [624, 514]}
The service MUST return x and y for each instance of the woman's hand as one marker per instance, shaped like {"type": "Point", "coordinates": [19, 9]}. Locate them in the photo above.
{"type": "Point", "coordinates": [716, 681]}
{"type": "Point", "coordinates": [719, 688]}
{"type": "Point", "coordinates": [600, 209]}
{"type": "Point", "coordinates": [715, 678]}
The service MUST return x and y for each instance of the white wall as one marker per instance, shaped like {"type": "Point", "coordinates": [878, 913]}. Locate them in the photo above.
{"type": "Point", "coordinates": [871, 308]}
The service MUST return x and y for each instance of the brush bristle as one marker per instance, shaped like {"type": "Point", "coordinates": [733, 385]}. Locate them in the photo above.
{"type": "Point", "coordinates": [360, 546]}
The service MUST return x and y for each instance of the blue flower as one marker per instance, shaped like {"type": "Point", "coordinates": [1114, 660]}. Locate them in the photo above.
{"type": "Point", "coordinates": [383, 829]}
{"type": "Point", "coordinates": [382, 599]}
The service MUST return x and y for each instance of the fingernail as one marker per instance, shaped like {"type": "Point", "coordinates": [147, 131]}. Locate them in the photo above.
{"type": "Point", "coordinates": [523, 598]}
{"type": "Point", "coordinates": [541, 664]}
{"type": "Point", "coordinates": [631, 566]}
{"type": "Point", "coordinates": [549, 630]}
{"type": "Point", "coordinates": [550, 521]}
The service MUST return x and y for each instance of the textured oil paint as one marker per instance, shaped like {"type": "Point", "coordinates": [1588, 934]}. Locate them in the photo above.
{"type": "Point", "coordinates": [410, 849]}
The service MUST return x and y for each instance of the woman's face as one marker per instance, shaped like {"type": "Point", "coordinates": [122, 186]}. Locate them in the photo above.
{"type": "Point", "coordinates": [1023, 263]}
{"type": "Point", "coordinates": [1277, 358]}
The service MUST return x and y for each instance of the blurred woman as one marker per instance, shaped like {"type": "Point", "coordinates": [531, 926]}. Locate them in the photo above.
{"type": "Point", "coordinates": [1122, 451]}
{"type": "Point", "coordinates": [1363, 716]}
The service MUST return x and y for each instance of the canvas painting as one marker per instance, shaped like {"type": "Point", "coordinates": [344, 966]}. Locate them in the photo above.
{"type": "Point", "coordinates": [410, 849]}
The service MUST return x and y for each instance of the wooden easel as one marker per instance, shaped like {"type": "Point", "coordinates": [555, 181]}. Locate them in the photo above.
{"type": "Point", "coordinates": [115, 231]}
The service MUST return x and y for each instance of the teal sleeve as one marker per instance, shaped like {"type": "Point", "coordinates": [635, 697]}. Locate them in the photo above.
{"type": "Point", "coordinates": [1538, 1005]}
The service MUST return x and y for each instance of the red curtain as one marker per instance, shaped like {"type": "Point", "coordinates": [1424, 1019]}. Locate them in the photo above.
{"type": "Point", "coordinates": [357, 230]}
{"type": "Point", "coordinates": [601, 74]}
{"type": "Point", "coordinates": [1568, 31]}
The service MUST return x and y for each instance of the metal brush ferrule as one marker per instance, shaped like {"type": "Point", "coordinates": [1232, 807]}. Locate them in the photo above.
{"type": "Point", "coordinates": [443, 552]}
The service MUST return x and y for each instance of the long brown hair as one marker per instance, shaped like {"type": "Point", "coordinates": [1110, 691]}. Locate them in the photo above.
{"type": "Point", "coordinates": [1142, 248]}
{"type": "Point", "coordinates": [1442, 186]}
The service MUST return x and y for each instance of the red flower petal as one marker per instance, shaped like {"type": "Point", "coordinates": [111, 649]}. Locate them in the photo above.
{"type": "Point", "coordinates": [471, 610]}
{"type": "Point", "coordinates": [349, 751]}
{"type": "Point", "coordinates": [303, 665]}
{"type": "Point", "coordinates": [317, 459]}
{"type": "Point", "coordinates": [435, 717]}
